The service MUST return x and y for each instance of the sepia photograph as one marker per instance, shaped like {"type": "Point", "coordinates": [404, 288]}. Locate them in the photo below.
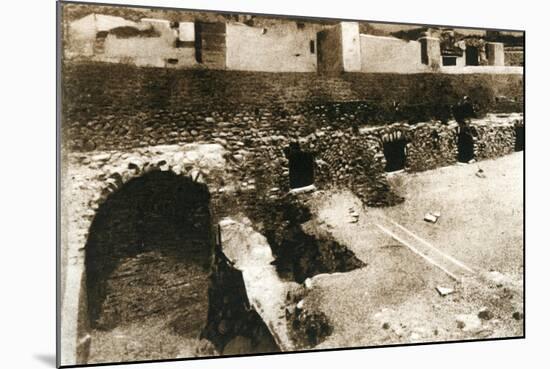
{"type": "Point", "coordinates": [237, 183]}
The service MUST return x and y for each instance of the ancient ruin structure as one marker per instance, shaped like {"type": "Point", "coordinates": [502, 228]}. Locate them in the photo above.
{"type": "Point", "coordinates": [168, 170]}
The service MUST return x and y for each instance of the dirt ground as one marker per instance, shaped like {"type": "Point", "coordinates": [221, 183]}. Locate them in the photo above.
{"type": "Point", "coordinates": [394, 298]}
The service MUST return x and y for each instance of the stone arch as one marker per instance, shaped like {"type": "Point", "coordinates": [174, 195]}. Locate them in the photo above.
{"type": "Point", "coordinates": [105, 174]}
{"type": "Point", "coordinates": [148, 255]}
{"type": "Point", "coordinates": [158, 215]}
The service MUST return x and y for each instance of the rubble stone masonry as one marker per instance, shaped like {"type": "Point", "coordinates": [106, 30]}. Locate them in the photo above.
{"type": "Point", "coordinates": [232, 131]}
{"type": "Point", "coordinates": [255, 116]}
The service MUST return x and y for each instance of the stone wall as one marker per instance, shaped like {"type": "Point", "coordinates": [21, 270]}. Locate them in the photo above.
{"type": "Point", "coordinates": [430, 145]}
{"type": "Point", "coordinates": [256, 116]}
{"type": "Point", "coordinates": [389, 54]}
{"type": "Point", "coordinates": [493, 140]}
{"type": "Point", "coordinates": [118, 106]}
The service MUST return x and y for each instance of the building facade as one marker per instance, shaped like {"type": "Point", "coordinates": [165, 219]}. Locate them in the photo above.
{"type": "Point", "coordinates": [289, 46]}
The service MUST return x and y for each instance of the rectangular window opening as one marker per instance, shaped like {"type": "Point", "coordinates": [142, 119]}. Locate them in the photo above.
{"type": "Point", "coordinates": [449, 60]}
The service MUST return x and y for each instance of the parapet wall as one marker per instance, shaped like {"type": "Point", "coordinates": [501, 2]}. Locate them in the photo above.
{"type": "Point", "coordinates": [430, 145]}
{"type": "Point", "coordinates": [390, 54]}
{"type": "Point", "coordinates": [273, 49]}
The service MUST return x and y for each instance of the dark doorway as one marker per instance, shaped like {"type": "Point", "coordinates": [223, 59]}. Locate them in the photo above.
{"type": "Point", "coordinates": [395, 155]}
{"type": "Point", "coordinates": [520, 138]}
{"type": "Point", "coordinates": [300, 166]}
{"type": "Point", "coordinates": [465, 145]}
{"type": "Point", "coordinates": [147, 263]}
{"type": "Point", "coordinates": [472, 55]}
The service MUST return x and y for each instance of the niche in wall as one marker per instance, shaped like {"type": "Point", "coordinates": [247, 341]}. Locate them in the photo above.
{"type": "Point", "coordinates": [300, 166]}
{"type": "Point", "coordinates": [465, 145]}
{"type": "Point", "coordinates": [395, 154]}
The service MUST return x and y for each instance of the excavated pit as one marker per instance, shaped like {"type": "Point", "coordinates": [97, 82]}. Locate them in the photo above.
{"type": "Point", "coordinates": [299, 255]}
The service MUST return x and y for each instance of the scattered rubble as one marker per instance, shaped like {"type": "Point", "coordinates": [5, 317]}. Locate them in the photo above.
{"type": "Point", "coordinates": [444, 291]}
{"type": "Point", "coordinates": [305, 189]}
{"type": "Point", "coordinates": [414, 337]}
{"type": "Point", "coordinates": [480, 173]}
{"type": "Point", "coordinates": [517, 315]}
{"type": "Point", "coordinates": [497, 278]}
{"type": "Point", "coordinates": [485, 314]}
{"type": "Point", "coordinates": [204, 348]}
{"type": "Point", "coordinates": [309, 328]}
{"type": "Point", "coordinates": [432, 216]}
{"type": "Point", "coordinates": [468, 322]}
{"type": "Point", "coordinates": [354, 216]}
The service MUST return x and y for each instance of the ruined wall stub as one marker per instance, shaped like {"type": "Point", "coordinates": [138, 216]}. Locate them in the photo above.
{"type": "Point", "coordinates": [351, 46]}
{"type": "Point", "coordinates": [495, 53]}
{"type": "Point", "coordinates": [431, 51]}
{"type": "Point", "coordinates": [339, 48]}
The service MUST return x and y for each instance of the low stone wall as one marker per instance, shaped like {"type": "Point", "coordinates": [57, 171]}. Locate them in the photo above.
{"type": "Point", "coordinates": [492, 139]}
{"type": "Point", "coordinates": [430, 145]}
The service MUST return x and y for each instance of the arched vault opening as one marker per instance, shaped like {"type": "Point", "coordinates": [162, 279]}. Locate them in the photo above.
{"type": "Point", "coordinates": [147, 263]}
